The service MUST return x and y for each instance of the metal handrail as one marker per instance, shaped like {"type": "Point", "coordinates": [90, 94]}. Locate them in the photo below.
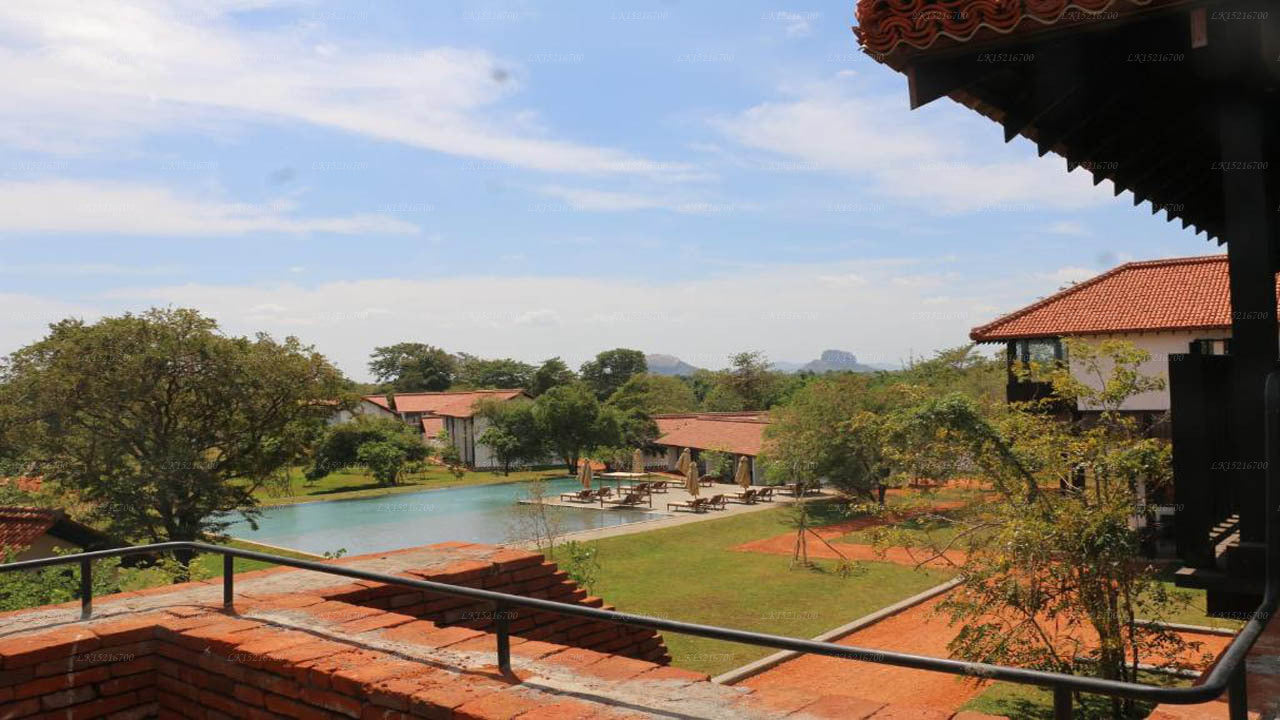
{"type": "Point", "coordinates": [1228, 674]}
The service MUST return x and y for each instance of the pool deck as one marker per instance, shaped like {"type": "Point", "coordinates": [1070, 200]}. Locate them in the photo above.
{"type": "Point", "coordinates": [662, 518]}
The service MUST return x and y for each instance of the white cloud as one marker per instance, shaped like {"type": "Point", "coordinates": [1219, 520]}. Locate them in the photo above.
{"type": "Point", "coordinates": [921, 157]}
{"type": "Point", "coordinates": [595, 200]}
{"type": "Point", "coordinates": [130, 209]}
{"type": "Point", "coordinates": [78, 74]}
{"type": "Point", "coordinates": [1068, 227]}
{"type": "Point", "coordinates": [792, 312]}
{"type": "Point", "coordinates": [1067, 275]}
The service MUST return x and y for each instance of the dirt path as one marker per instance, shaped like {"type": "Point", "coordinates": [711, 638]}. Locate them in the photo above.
{"type": "Point", "coordinates": [916, 630]}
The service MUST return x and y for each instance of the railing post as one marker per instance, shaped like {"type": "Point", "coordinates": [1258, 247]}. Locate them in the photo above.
{"type": "Point", "coordinates": [1238, 695]}
{"type": "Point", "coordinates": [228, 581]}
{"type": "Point", "coordinates": [502, 621]}
{"type": "Point", "coordinates": [86, 589]}
{"type": "Point", "coordinates": [1061, 703]}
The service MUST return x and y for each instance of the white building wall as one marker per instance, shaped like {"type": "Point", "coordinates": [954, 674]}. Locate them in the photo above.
{"type": "Point", "coordinates": [1160, 346]}
{"type": "Point", "coordinates": [364, 407]}
{"type": "Point", "coordinates": [46, 546]}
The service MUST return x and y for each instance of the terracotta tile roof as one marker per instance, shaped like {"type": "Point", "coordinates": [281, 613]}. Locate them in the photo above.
{"type": "Point", "coordinates": [1191, 293]}
{"type": "Point", "coordinates": [887, 26]}
{"type": "Point", "coordinates": [22, 526]}
{"type": "Point", "coordinates": [741, 433]}
{"type": "Point", "coordinates": [460, 404]}
{"type": "Point", "coordinates": [431, 425]}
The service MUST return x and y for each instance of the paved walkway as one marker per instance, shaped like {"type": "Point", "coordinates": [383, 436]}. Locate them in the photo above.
{"type": "Point", "coordinates": [664, 519]}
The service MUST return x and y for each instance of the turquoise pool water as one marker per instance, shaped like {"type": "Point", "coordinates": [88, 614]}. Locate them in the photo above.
{"type": "Point", "coordinates": [480, 513]}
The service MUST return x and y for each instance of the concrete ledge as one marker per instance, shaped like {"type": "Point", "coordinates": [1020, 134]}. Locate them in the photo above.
{"type": "Point", "coordinates": [755, 668]}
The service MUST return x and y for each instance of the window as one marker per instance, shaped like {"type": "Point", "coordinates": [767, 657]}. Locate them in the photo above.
{"type": "Point", "coordinates": [1042, 351]}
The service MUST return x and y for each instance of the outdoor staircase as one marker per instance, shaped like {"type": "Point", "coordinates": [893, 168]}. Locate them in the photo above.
{"type": "Point", "coordinates": [1234, 589]}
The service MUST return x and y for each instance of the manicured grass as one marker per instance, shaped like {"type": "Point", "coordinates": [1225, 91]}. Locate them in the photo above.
{"type": "Point", "coordinates": [210, 565]}
{"type": "Point", "coordinates": [348, 484]}
{"type": "Point", "coordinates": [931, 529]}
{"type": "Point", "coordinates": [691, 573]}
{"type": "Point", "coordinates": [1033, 703]}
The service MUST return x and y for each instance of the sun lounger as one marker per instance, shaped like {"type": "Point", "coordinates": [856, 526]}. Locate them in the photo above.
{"type": "Point", "coordinates": [746, 497]}
{"type": "Point", "coordinates": [603, 493]}
{"type": "Point", "coordinates": [637, 488]}
{"type": "Point", "coordinates": [707, 480]}
{"type": "Point", "coordinates": [694, 505]}
{"type": "Point", "coordinates": [631, 499]}
{"type": "Point", "coordinates": [658, 486]}
{"type": "Point", "coordinates": [765, 495]}
{"type": "Point", "coordinates": [716, 502]}
{"type": "Point", "coordinates": [587, 495]}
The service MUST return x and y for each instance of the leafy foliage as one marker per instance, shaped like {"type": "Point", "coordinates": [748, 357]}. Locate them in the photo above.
{"type": "Point", "coordinates": [61, 584]}
{"type": "Point", "coordinates": [833, 429]}
{"type": "Point", "coordinates": [549, 374]}
{"type": "Point", "coordinates": [160, 421]}
{"type": "Point", "coordinates": [573, 422]}
{"type": "Point", "coordinates": [512, 433]}
{"type": "Point", "coordinates": [582, 563]}
{"type": "Point", "coordinates": [654, 394]}
{"type": "Point", "coordinates": [610, 369]}
{"type": "Point", "coordinates": [503, 373]}
{"type": "Point", "coordinates": [384, 445]}
{"type": "Point", "coordinates": [413, 367]}
{"type": "Point", "coordinates": [1053, 573]}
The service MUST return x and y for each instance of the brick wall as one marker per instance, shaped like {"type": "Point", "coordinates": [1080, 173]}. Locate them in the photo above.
{"type": "Point", "coordinates": [517, 572]}
{"type": "Point", "coordinates": [184, 663]}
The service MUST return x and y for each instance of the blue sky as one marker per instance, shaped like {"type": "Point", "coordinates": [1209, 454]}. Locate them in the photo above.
{"type": "Point", "coordinates": [520, 179]}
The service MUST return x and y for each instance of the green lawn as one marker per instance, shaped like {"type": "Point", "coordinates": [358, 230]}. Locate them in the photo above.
{"type": "Point", "coordinates": [690, 573]}
{"type": "Point", "coordinates": [348, 484]}
{"type": "Point", "coordinates": [921, 529]}
{"type": "Point", "coordinates": [1032, 703]}
{"type": "Point", "coordinates": [210, 565]}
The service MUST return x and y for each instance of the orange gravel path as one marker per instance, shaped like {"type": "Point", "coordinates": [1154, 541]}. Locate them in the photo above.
{"type": "Point", "coordinates": [916, 630]}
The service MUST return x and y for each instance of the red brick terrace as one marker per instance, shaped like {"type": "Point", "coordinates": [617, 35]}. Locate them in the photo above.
{"type": "Point", "coordinates": [310, 645]}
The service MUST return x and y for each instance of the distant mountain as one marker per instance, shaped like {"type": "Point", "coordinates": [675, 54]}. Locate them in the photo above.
{"type": "Point", "coordinates": [830, 361]}
{"type": "Point", "coordinates": [660, 364]}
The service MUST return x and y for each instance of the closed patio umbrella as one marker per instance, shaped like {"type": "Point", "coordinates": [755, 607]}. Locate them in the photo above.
{"type": "Point", "coordinates": [682, 465]}
{"type": "Point", "coordinates": [691, 479]}
{"type": "Point", "coordinates": [742, 475]}
{"type": "Point", "coordinates": [584, 473]}
{"type": "Point", "coordinates": [637, 461]}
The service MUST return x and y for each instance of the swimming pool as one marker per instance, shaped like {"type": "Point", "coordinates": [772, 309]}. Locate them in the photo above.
{"type": "Point", "coordinates": [479, 513]}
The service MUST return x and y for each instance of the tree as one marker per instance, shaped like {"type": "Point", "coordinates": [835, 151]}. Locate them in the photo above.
{"type": "Point", "coordinates": [413, 367]}
{"type": "Point", "coordinates": [386, 459]}
{"type": "Point", "coordinates": [960, 369]}
{"type": "Point", "coordinates": [549, 374]}
{"type": "Point", "coordinates": [610, 369]}
{"type": "Point", "coordinates": [654, 394]}
{"type": "Point", "coordinates": [721, 397]}
{"type": "Point", "coordinates": [163, 423]}
{"type": "Point", "coordinates": [512, 433]}
{"type": "Point", "coordinates": [752, 378]}
{"type": "Point", "coordinates": [390, 444]}
{"type": "Point", "coordinates": [504, 373]}
{"type": "Point", "coordinates": [833, 429]}
{"type": "Point", "coordinates": [1049, 564]}
{"type": "Point", "coordinates": [573, 423]}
